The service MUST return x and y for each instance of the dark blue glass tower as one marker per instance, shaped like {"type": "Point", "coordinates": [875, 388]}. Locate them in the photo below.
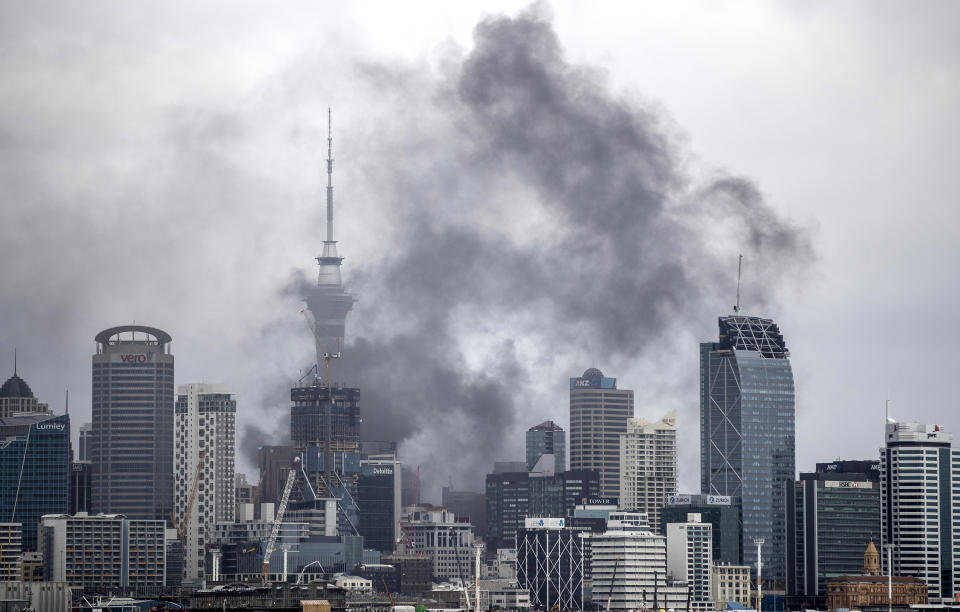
{"type": "Point", "coordinates": [34, 470]}
{"type": "Point", "coordinates": [747, 425]}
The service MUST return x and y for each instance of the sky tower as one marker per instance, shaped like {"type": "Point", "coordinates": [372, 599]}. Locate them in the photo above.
{"type": "Point", "coordinates": [328, 302]}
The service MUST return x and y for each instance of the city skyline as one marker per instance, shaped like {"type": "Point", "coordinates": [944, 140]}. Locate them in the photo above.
{"type": "Point", "coordinates": [122, 207]}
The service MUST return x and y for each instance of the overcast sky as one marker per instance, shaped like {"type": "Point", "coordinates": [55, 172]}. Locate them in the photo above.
{"type": "Point", "coordinates": [565, 186]}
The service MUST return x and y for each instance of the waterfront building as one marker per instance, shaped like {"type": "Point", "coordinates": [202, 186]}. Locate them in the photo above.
{"type": "Point", "coordinates": [598, 417]}
{"type": "Point", "coordinates": [747, 430]}
{"type": "Point", "coordinates": [832, 514]}
{"type": "Point", "coordinates": [132, 437]}
{"type": "Point", "coordinates": [730, 585]}
{"type": "Point", "coordinates": [550, 563]}
{"type": "Point", "coordinates": [920, 506]}
{"type": "Point", "coordinates": [11, 547]}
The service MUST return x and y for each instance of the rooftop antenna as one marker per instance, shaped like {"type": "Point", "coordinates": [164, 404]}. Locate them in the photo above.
{"type": "Point", "coordinates": [14, 361]}
{"type": "Point", "coordinates": [67, 401]}
{"type": "Point", "coordinates": [736, 308]}
{"type": "Point", "coordinates": [329, 174]}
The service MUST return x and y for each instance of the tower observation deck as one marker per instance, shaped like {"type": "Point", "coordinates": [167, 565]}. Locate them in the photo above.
{"type": "Point", "coordinates": [329, 302]}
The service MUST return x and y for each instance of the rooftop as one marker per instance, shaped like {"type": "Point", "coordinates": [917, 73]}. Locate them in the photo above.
{"type": "Point", "coordinates": [15, 387]}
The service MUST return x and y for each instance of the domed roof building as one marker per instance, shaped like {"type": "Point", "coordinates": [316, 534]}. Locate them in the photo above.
{"type": "Point", "coordinates": [16, 396]}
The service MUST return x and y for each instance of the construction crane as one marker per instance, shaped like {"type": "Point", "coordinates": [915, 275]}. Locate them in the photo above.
{"type": "Point", "coordinates": [612, 580]}
{"type": "Point", "coordinates": [327, 356]}
{"type": "Point", "coordinates": [388, 591]}
{"type": "Point", "coordinates": [182, 529]}
{"type": "Point", "coordinates": [278, 518]}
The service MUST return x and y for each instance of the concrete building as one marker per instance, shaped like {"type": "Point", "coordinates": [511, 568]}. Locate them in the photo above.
{"type": "Point", "coordinates": [132, 438]}
{"type": "Point", "coordinates": [436, 533]}
{"type": "Point", "coordinates": [723, 514]}
{"type": "Point", "coordinates": [205, 458]}
{"type": "Point", "coordinates": [16, 397]}
{"type": "Point", "coordinates": [11, 547]}
{"type": "Point", "coordinates": [414, 572]}
{"type": "Point", "coordinates": [747, 430]}
{"type": "Point", "coordinates": [378, 495]}
{"type": "Point", "coordinates": [730, 584]}
{"type": "Point", "coordinates": [547, 438]}
{"type": "Point", "coordinates": [648, 466]}
{"type": "Point", "coordinates": [832, 514]}
{"type": "Point", "coordinates": [34, 470]}
{"type": "Point", "coordinates": [690, 560]}
{"type": "Point", "coordinates": [102, 554]}
{"type": "Point", "coordinates": [639, 559]}
{"type": "Point", "coordinates": [550, 564]}
{"type": "Point", "coordinates": [919, 509]}
{"type": "Point", "coordinates": [598, 417]}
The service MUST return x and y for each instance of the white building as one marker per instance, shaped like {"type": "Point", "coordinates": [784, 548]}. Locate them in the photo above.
{"type": "Point", "coordinates": [730, 584]}
{"type": "Point", "coordinates": [639, 559]}
{"type": "Point", "coordinates": [11, 540]}
{"type": "Point", "coordinates": [205, 431]}
{"type": "Point", "coordinates": [648, 466]}
{"type": "Point", "coordinates": [437, 533]}
{"type": "Point", "coordinates": [920, 506]}
{"type": "Point", "coordinates": [354, 584]}
{"type": "Point", "coordinates": [690, 557]}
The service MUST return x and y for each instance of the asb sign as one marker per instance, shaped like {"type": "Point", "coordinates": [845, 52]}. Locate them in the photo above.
{"type": "Point", "coordinates": [544, 523]}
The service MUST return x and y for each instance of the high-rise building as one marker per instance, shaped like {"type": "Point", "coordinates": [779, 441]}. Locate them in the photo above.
{"type": "Point", "coordinates": [99, 554]}
{"type": "Point", "coordinates": [722, 512]}
{"type": "Point", "coordinates": [598, 417]}
{"type": "Point", "coordinates": [747, 446]}
{"type": "Point", "coordinates": [629, 565]}
{"type": "Point", "coordinates": [81, 487]}
{"type": "Point", "coordinates": [16, 397]}
{"type": "Point", "coordinates": [550, 563]}
{"type": "Point", "coordinates": [547, 438]}
{"type": "Point", "coordinates": [86, 434]}
{"type": "Point", "coordinates": [132, 440]}
{"type": "Point", "coordinates": [648, 466]}
{"type": "Point", "coordinates": [205, 452]}
{"type": "Point", "coordinates": [378, 495]}
{"type": "Point", "coordinates": [274, 463]}
{"type": "Point", "coordinates": [329, 302]}
{"type": "Point", "coordinates": [920, 506]}
{"type": "Point", "coordinates": [690, 560]}
{"type": "Point", "coordinates": [833, 514]}
{"type": "Point", "coordinates": [34, 470]}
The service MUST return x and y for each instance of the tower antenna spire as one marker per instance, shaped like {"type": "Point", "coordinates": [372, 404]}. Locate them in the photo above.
{"type": "Point", "coordinates": [14, 361]}
{"type": "Point", "coordinates": [736, 308]}
{"type": "Point", "coordinates": [329, 174]}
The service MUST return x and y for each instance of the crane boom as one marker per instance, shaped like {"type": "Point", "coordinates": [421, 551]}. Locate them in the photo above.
{"type": "Point", "coordinates": [182, 529]}
{"type": "Point", "coordinates": [278, 518]}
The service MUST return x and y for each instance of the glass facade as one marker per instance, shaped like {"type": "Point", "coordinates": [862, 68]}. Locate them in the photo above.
{"type": "Point", "coordinates": [832, 515]}
{"type": "Point", "coordinates": [376, 497]}
{"type": "Point", "coordinates": [747, 430]}
{"type": "Point", "coordinates": [34, 470]}
{"type": "Point", "coordinates": [547, 438]}
{"type": "Point", "coordinates": [131, 442]}
{"type": "Point", "coordinates": [723, 517]}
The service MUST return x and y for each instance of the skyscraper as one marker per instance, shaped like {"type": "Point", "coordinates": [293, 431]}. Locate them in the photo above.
{"type": "Point", "coordinates": [747, 430]}
{"type": "Point", "coordinates": [648, 466]}
{"type": "Point", "coordinates": [598, 417]}
{"type": "Point", "coordinates": [206, 426]}
{"type": "Point", "coordinates": [919, 509]}
{"type": "Point", "coordinates": [329, 302]}
{"type": "Point", "coordinates": [547, 438]}
{"type": "Point", "coordinates": [132, 438]}
{"type": "Point", "coordinates": [34, 470]}
{"type": "Point", "coordinates": [833, 514]}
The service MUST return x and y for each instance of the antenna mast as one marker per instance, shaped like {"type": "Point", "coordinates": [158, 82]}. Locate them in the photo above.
{"type": "Point", "coordinates": [739, 270]}
{"type": "Point", "coordinates": [329, 174]}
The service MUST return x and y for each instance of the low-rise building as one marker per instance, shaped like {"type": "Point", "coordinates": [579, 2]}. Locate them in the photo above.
{"type": "Point", "coordinates": [730, 584]}
{"type": "Point", "coordinates": [355, 584]}
{"type": "Point", "coordinates": [42, 596]}
{"type": "Point", "coordinates": [861, 592]}
{"type": "Point", "coordinates": [414, 572]}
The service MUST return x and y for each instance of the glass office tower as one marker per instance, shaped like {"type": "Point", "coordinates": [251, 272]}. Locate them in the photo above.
{"type": "Point", "coordinates": [747, 425]}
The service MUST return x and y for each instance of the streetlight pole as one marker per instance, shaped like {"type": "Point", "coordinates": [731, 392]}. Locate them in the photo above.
{"type": "Point", "coordinates": [759, 543]}
{"type": "Point", "coordinates": [889, 548]}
